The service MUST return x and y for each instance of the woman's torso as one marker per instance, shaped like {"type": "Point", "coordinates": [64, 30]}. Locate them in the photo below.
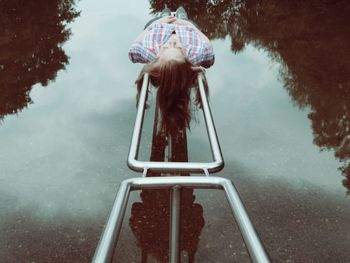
{"type": "Point", "coordinates": [158, 34]}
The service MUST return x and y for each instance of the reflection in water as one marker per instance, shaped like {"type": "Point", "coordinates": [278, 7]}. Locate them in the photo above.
{"type": "Point", "coordinates": [149, 219]}
{"type": "Point", "coordinates": [310, 39]}
{"type": "Point", "coordinates": [32, 35]}
{"type": "Point", "coordinates": [149, 222]}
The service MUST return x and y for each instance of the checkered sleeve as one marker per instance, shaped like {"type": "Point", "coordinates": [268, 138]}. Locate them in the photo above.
{"type": "Point", "coordinates": [207, 57]}
{"type": "Point", "coordinates": [198, 51]}
{"type": "Point", "coordinates": [146, 50]}
{"type": "Point", "coordinates": [138, 53]}
{"type": "Point", "coordinates": [201, 55]}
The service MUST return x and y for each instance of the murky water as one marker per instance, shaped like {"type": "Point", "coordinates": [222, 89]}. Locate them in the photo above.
{"type": "Point", "coordinates": [279, 93]}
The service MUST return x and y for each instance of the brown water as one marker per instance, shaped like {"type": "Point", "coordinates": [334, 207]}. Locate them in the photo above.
{"type": "Point", "coordinates": [279, 93]}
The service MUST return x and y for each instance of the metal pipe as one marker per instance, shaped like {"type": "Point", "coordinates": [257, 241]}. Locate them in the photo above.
{"type": "Point", "coordinates": [175, 203]}
{"type": "Point", "coordinates": [203, 182]}
{"type": "Point", "coordinates": [107, 244]}
{"type": "Point", "coordinates": [136, 135]}
{"type": "Point", "coordinates": [250, 237]}
{"type": "Point", "coordinates": [212, 135]}
{"type": "Point", "coordinates": [190, 167]}
{"type": "Point", "coordinates": [104, 252]}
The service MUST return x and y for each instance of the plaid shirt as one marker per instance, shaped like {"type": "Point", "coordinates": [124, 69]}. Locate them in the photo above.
{"type": "Point", "coordinates": [198, 51]}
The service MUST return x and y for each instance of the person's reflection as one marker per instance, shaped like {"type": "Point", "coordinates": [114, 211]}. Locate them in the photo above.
{"type": "Point", "coordinates": [32, 35]}
{"type": "Point", "coordinates": [149, 222]}
{"type": "Point", "coordinates": [314, 59]}
{"type": "Point", "coordinates": [149, 219]}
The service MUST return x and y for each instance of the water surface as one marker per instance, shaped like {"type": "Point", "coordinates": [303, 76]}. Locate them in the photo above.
{"type": "Point", "coordinates": [279, 93]}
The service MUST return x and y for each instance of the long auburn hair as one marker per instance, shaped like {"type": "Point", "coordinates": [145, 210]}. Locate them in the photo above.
{"type": "Point", "coordinates": [174, 80]}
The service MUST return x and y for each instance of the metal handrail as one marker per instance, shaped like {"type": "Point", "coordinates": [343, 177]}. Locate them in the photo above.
{"type": "Point", "coordinates": [191, 167]}
{"type": "Point", "coordinates": [107, 244]}
{"type": "Point", "coordinates": [105, 249]}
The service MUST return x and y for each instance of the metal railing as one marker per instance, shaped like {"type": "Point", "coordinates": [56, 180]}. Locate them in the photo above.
{"type": "Point", "coordinates": [191, 167]}
{"type": "Point", "coordinates": [108, 241]}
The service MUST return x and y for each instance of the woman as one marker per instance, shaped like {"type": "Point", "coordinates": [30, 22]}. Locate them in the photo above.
{"type": "Point", "coordinates": [174, 51]}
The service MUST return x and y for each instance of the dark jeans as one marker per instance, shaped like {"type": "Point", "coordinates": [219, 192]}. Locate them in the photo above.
{"type": "Point", "coordinates": [159, 17]}
{"type": "Point", "coordinates": [151, 21]}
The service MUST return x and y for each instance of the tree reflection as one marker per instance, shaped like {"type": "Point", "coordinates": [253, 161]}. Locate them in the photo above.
{"type": "Point", "coordinates": [32, 35]}
{"type": "Point", "coordinates": [150, 218]}
{"type": "Point", "coordinates": [310, 39]}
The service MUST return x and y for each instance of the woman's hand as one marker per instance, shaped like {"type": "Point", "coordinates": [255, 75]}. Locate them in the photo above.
{"type": "Point", "coordinates": [180, 21]}
{"type": "Point", "coordinates": [167, 19]}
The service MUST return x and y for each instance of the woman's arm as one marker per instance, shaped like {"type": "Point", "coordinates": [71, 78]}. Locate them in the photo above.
{"type": "Point", "coordinates": [188, 23]}
{"type": "Point", "coordinates": [166, 19]}
{"type": "Point", "coordinates": [205, 57]}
